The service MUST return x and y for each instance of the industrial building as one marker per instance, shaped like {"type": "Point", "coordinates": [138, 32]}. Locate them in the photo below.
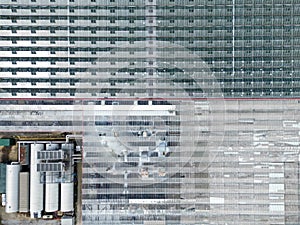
{"type": "Point", "coordinates": [189, 108]}
{"type": "Point", "coordinates": [45, 192]}
{"type": "Point", "coordinates": [48, 181]}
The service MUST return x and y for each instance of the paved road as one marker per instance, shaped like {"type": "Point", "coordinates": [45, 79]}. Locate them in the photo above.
{"type": "Point", "coordinates": [33, 222]}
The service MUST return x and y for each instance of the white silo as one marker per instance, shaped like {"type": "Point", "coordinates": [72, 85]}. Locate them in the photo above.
{"type": "Point", "coordinates": [12, 188]}
{"type": "Point", "coordinates": [67, 197]}
{"type": "Point", "coordinates": [51, 197]}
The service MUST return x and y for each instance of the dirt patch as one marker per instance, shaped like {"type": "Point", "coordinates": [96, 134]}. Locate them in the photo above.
{"type": "Point", "coordinates": [12, 216]}
{"type": "Point", "coordinates": [8, 154]}
{"type": "Point", "coordinates": [13, 153]}
{"type": "Point", "coordinates": [4, 152]}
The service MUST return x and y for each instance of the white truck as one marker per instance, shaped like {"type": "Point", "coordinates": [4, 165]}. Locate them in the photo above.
{"type": "Point", "coordinates": [3, 197]}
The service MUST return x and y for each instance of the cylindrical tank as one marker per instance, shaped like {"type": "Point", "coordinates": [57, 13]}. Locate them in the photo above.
{"type": "Point", "coordinates": [52, 146]}
{"type": "Point", "coordinates": [67, 197]}
{"type": "Point", "coordinates": [51, 198]}
{"type": "Point", "coordinates": [12, 188]}
{"type": "Point", "coordinates": [36, 187]}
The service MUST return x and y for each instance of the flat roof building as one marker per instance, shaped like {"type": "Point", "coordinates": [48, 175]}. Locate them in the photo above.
{"type": "Point", "coordinates": [67, 221]}
{"type": "Point", "coordinates": [2, 178]}
{"type": "Point", "coordinates": [24, 192]}
{"type": "Point", "coordinates": [6, 142]}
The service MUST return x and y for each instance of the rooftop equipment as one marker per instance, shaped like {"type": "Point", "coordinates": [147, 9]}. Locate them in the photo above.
{"type": "Point", "coordinates": [50, 167]}
{"type": "Point", "coordinates": [52, 146]}
{"type": "Point", "coordinates": [50, 155]}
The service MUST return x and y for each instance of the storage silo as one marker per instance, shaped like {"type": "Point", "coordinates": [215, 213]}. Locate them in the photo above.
{"type": "Point", "coordinates": [51, 197]}
{"type": "Point", "coordinates": [67, 197]}
{"type": "Point", "coordinates": [36, 187]}
{"type": "Point", "coordinates": [12, 188]}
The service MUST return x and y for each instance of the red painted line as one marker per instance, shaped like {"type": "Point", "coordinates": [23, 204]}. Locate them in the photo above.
{"type": "Point", "coordinates": [35, 131]}
{"type": "Point", "coordinates": [149, 99]}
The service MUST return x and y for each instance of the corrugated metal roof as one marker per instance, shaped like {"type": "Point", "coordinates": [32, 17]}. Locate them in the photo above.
{"type": "Point", "coordinates": [5, 142]}
{"type": "Point", "coordinates": [2, 178]}
{"type": "Point", "coordinates": [24, 192]}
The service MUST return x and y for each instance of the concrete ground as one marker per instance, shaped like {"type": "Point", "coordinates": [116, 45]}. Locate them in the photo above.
{"type": "Point", "coordinates": [32, 222]}
{"type": "Point", "coordinates": [20, 218]}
